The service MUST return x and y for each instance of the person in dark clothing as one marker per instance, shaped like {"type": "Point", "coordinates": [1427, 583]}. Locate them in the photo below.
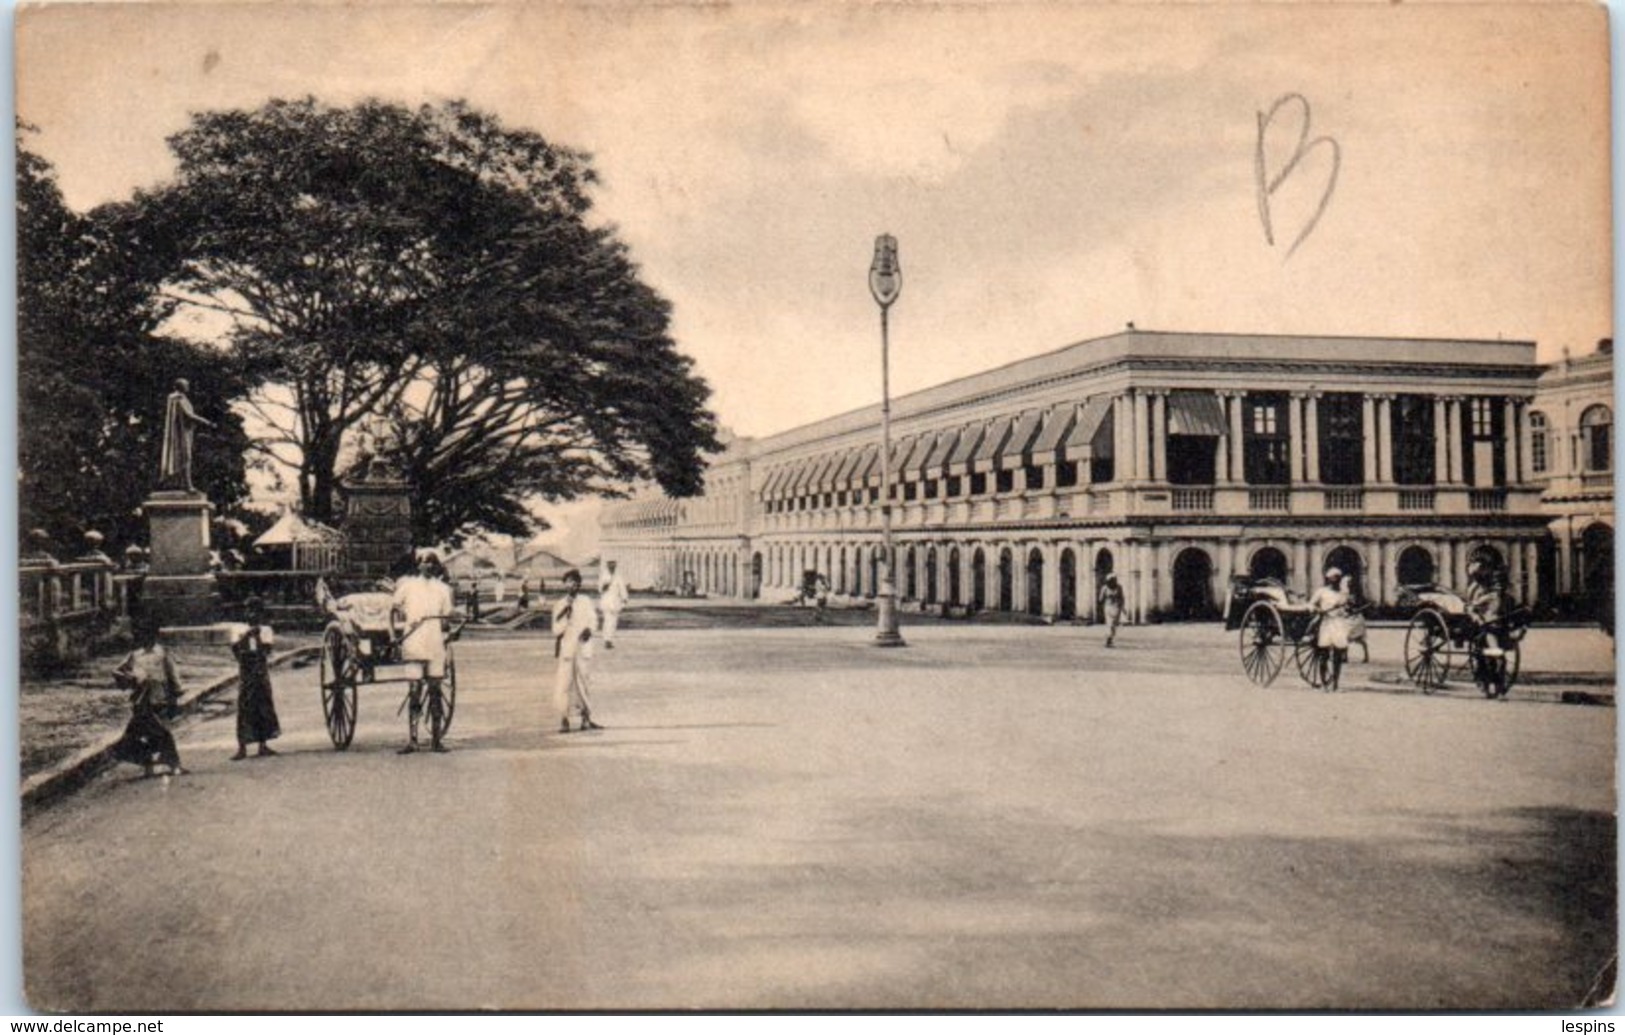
{"type": "Point", "coordinates": [256, 711]}
{"type": "Point", "coordinates": [149, 675]}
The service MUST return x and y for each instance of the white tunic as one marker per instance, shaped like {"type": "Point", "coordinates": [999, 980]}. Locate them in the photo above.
{"type": "Point", "coordinates": [420, 601]}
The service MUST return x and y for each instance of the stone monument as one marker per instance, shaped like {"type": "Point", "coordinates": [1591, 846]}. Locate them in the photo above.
{"type": "Point", "coordinates": [377, 519]}
{"type": "Point", "coordinates": [179, 588]}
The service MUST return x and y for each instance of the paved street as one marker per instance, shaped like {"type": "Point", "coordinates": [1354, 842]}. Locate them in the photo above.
{"type": "Point", "coordinates": [993, 817]}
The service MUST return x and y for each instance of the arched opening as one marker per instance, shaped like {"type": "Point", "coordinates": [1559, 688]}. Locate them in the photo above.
{"type": "Point", "coordinates": [956, 593]}
{"type": "Point", "coordinates": [910, 575]}
{"type": "Point", "coordinates": [755, 576]}
{"type": "Point", "coordinates": [1007, 580]}
{"type": "Point", "coordinates": [1035, 581]}
{"type": "Point", "coordinates": [1268, 563]}
{"type": "Point", "coordinates": [1103, 567]}
{"type": "Point", "coordinates": [1069, 584]}
{"type": "Point", "coordinates": [1415, 566]}
{"type": "Point", "coordinates": [857, 571]}
{"type": "Point", "coordinates": [978, 580]}
{"type": "Point", "coordinates": [1596, 439]}
{"type": "Point", "coordinates": [931, 575]}
{"type": "Point", "coordinates": [1347, 560]}
{"type": "Point", "coordinates": [840, 574]}
{"type": "Point", "coordinates": [1488, 556]}
{"type": "Point", "coordinates": [874, 572]}
{"type": "Point", "coordinates": [1597, 574]}
{"type": "Point", "coordinates": [1193, 585]}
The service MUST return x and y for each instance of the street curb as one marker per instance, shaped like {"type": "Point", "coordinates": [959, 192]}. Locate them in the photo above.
{"type": "Point", "coordinates": [77, 769]}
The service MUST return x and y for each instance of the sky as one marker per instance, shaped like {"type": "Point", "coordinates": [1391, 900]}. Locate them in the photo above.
{"type": "Point", "coordinates": [1051, 172]}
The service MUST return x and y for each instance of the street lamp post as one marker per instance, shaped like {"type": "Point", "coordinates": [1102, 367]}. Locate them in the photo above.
{"type": "Point", "coordinates": [885, 283]}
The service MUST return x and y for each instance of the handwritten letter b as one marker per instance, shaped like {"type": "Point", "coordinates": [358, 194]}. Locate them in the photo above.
{"type": "Point", "coordinates": [1270, 181]}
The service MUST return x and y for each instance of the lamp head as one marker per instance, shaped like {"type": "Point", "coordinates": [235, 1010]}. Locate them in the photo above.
{"type": "Point", "coordinates": [885, 274]}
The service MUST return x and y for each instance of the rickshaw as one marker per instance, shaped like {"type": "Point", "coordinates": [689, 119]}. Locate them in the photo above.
{"type": "Point", "coordinates": [1272, 620]}
{"type": "Point", "coordinates": [1443, 634]}
{"type": "Point", "coordinates": [362, 644]}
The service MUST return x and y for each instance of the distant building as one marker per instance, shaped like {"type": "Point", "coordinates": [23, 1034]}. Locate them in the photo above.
{"type": "Point", "coordinates": [1176, 461]}
{"type": "Point", "coordinates": [1571, 432]}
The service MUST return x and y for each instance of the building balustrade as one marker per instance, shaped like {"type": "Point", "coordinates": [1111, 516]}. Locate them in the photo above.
{"type": "Point", "coordinates": [1418, 499]}
{"type": "Point", "coordinates": [1198, 499]}
{"type": "Point", "coordinates": [1481, 500]}
{"type": "Point", "coordinates": [1269, 499]}
{"type": "Point", "coordinates": [1345, 500]}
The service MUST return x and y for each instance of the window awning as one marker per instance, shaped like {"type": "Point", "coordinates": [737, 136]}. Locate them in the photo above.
{"type": "Point", "coordinates": [866, 463]}
{"type": "Point", "coordinates": [940, 452]}
{"type": "Point", "coordinates": [1019, 446]}
{"type": "Point", "coordinates": [969, 439]}
{"type": "Point", "coordinates": [823, 471]}
{"type": "Point", "coordinates": [901, 450]}
{"type": "Point", "coordinates": [916, 467]}
{"type": "Point", "coordinates": [1095, 416]}
{"type": "Point", "coordinates": [770, 488]}
{"type": "Point", "coordinates": [797, 484]}
{"type": "Point", "coordinates": [843, 471]}
{"type": "Point", "coordinates": [998, 433]}
{"type": "Point", "coordinates": [1051, 440]}
{"type": "Point", "coordinates": [1195, 413]}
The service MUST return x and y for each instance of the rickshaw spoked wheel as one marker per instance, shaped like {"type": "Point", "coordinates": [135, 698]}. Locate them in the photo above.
{"type": "Point", "coordinates": [1427, 651]}
{"type": "Point", "coordinates": [338, 688]}
{"type": "Point", "coordinates": [1263, 643]}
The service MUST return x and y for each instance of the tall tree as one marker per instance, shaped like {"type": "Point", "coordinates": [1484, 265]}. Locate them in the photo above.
{"type": "Point", "coordinates": [93, 371]}
{"type": "Point", "coordinates": [436, 270]}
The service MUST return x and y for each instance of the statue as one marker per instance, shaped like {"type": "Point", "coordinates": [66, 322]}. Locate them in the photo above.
{"type": "Point", "coordinates": [175, 467]}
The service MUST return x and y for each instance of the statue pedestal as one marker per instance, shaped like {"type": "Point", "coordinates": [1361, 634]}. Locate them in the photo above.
{"type": "Point", "coordinates": [179, 588]}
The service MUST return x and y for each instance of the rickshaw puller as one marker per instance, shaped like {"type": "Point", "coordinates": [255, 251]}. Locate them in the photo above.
{"type": "Point", "coordinates": [421, 603]}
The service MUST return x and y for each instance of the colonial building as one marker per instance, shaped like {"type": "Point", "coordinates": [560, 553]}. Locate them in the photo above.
{"type": "Point", "coordinates": [1571, 430]}
{"type": "Point", "coordinates": [1174, 460]}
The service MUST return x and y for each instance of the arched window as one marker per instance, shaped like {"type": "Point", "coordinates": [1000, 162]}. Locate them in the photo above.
{"type": "Point", "coordinates": [1537, 442]}
{"type": "Point", "coordinates": [1415, 566]}
{"type": "Point", "coordinates": [1596, 439]}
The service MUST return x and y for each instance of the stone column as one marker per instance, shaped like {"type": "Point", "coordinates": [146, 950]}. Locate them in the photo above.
{"type": "Point", "coordinates": [1159, 437]}
{"type": "Point", "coordinates": [1142, 437]}
{"type": "Point", "coordinates": [1221, 455]}
{"type": "Point", "coordinates": [1526, 445]}
{"type": "Point", "coordinates": [1441, 441]}
{"type": "Point", "coordinates": [1385, 439]}
{"type": "Point", "coordinates": [1299, 576]}
{"type": "Point", "coordinates": [1311, 427]}
{"type": "Point", "coordinates": [1453, 422]}
{"type": "Point", "coordinates": [1377, 577]}
{"type": "Point", "coordinates": [1315, 552]}
{"type": "Point", "coordinates": [1122, 437]}
{"type": "Point", "coordinates": [1512, 442]}
{"type": "Point", "coordinates": [1052, 578]}
{"type": "Point", "coordinates": [1368, 427]}
{"type": "Point", "coordinates": [1086, 580]}
{"type": "Point", "coordinates": [1238, 465]}
{"type": "Point", "coordinates": [1531, 565]}
{"type": "Point", "coordinates": [1294, 436]}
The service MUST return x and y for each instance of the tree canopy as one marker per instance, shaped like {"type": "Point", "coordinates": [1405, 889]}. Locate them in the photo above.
{"type": "Point", "coordinates": [94, 372]}
{"type": "Point", "coordinates": [430, 277]}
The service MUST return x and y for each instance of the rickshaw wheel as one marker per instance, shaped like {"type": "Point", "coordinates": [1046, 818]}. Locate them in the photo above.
{"type": "Point", "coordinates": [448, 696]}
{"type": "Point", "coordinates": [1427, 651]}
{"type": "Point", "coordinates": [338, 689]}
{"type": "Point", "coordinates": [1312, 664]}
{"type": "Point", "coordinates": [1263, 643]}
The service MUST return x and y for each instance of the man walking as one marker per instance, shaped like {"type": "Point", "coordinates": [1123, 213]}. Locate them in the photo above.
{"type": "Point", "coordinates": [612, 599]}
{"type": "Point", "coordinates": [574, 619]}
{"type": "Point", "coordinates": [1111, 602]}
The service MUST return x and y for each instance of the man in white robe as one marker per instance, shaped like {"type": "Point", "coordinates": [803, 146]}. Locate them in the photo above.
{"type": "Point", "coordinates": [420, 607]}
{"type": "Point", "coordinates": [612, 600]}
{"type": "Point", "coordinates": [574, 620]}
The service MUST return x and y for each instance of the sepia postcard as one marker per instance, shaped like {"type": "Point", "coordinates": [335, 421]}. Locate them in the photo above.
{"type": "Point", "coordinates": [603, 507]}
